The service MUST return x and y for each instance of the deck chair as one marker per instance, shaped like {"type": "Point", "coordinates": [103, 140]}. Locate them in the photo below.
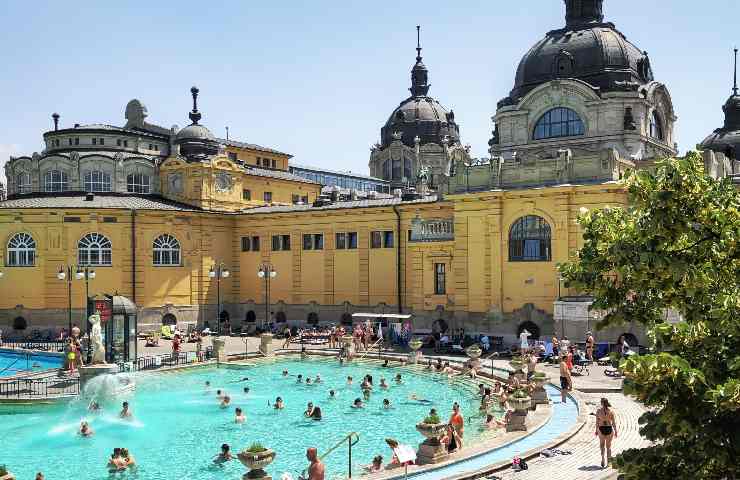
{"type": "Point", "coordinates": [581, 364]}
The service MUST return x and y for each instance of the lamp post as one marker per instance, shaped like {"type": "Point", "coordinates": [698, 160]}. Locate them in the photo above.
{"type": "Point", "coordinates": [218, 271]}
{"type": "Point", "coordinates": [70, 273]}
{"type": "Point", "coordinates": [88, 274]}
{"type": "Point", "coordinates": [267, 272]}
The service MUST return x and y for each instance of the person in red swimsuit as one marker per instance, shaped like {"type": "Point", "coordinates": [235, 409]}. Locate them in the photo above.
{"type": "Point", "coordinates": [457, 422]}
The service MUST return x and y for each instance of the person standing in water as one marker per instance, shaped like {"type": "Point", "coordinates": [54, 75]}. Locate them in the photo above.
{"type": "Point", "coordinates": [606, 429]}
{"type": "Point", "coordinates": [565, 378]}
{"type": "Point", "coordinates": [316, 468]}
{"type": "Point", "coordinates": [125, 412]}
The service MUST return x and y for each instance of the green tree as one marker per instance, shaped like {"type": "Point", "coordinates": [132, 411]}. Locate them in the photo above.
{"type": "Point", "coordinates": [676, 246]}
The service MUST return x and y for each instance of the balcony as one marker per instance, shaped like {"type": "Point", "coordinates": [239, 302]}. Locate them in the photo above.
{"type": "Point", "coordinates": [432, 230]}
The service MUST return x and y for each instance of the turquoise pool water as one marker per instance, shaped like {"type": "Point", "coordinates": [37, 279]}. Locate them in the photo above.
{"type": "Point", "coordinates": [13, 363]}
{"type": "Point", "coordinates": [178, 426]}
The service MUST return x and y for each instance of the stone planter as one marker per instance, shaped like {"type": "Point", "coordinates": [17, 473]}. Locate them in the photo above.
{"type": "Point", "coordinates": [520, 404]}
{"type": "Point", "coordinates": [474, 352]}
{"type": "Point", "coordinates": [349, 345]}
{"type": "Point", "coordinates": [256, 462]}
{"type": "Point", "coordinates": [517, 421]}
{"type": "Point", "coordinates": [539, 396]}
{"type": "Point", "coordinates": [431, 450]}
{"type": "Point", "coordinates": [218, 349]}
{"type": "Point", "coordinates": [7, 476]}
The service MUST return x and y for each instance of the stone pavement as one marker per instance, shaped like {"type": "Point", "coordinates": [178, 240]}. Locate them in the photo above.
{"type": "Point", "coordinates": [585, 461]}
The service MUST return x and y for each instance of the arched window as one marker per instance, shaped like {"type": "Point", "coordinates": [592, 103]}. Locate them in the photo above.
{"type": "Point", "coordinates": [19, 323]}
{"type": "Point", "coordinates": [23, 183]}
{"type": "Point", "coordinates": [21, 250]}
{"type": "Point", "coordinates": [55, 181]}
{"type": "Point", "coordinates": [169, 319]}
{"type": "Point", "coordinates": [97, 181]}
{"type": "Point", "coordinates": [387, 170]}
{"type": "Point", "coordinates": [559, 122]}
{"type": "Point", "coordinates": [313, 318]}
{"type": "Point", "coordinates": [166, 250]}
{"type": "Point", "coordinates": [407, 169]}
{"type": "Point", "coordinates": [94, 249]}
{"type": "Point", "coordinates": [529, 240]}
{"type": "Point", "coordinates": [137, 183]}
{"type": "Point", "coordinates": [656, 126]}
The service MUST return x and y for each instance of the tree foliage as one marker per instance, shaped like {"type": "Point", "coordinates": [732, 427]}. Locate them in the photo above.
{"type": "Point", "coordinates": [675, 247]}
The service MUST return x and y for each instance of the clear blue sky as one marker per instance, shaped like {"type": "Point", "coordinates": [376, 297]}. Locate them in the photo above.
{"type": "Point", "coordinates": [319, 78]}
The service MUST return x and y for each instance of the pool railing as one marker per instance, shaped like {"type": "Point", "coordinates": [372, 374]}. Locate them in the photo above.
{"type": "Point", "coordinates": [39, 387]}
{"type": "Point", "coordinates": [154, 362]}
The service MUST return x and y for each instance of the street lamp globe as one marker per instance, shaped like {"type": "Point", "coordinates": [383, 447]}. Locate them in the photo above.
{"type": "Point", "coordinates": [225, 274]}
{"type": "Point", "coordinates": [61, 274]}
{"type": "Point", "coordinates": [79, 275]}
{"type": "Point", "coordinates": [1, 274]}
{"type": "Point", "coordinates": [91, 274]}
{"type": "Point", "coordinates": [273, 274]}
{"type": "Point", "coordinates": [212, 273]}
{"type": "Point", "coordinates": [261, 273]}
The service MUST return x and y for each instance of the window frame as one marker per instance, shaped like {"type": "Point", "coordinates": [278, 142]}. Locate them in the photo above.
{"type": "Point", "coordinates": [22, 186]}
{"type": "Point", "coordinates": [135, 183]}
{"type": "Point", "coordinates": [440, 279]}
{"type": "Point", "coordinates": [62, 181]}
{"type": "Point", "coordinates": [168, 253]}
{"type": "Point", "coordinates": [21, 254]}
{"type": "Point", "coordinates": [376, 239]}
{"type": "Point", "coordinates": [267, 197]}
{"type": "Point", "coordinates": [657, 131]}
{"type": "Point", "coordinates": [388, 234]}
{"type": "Point", "coordinates": [255, 243]}
{"type": "Point", "coordinates": [98, 181]}
{"type": "Point", "coordinates": [246, 244]}
{"type": "Point", "coordinates": [530, 233]}
{"type": "Point", "coordinates": [103, 250]}
{"type": "Point", "coordinates": [341, 241]}
{"type": "Point", "coordinates": [544, 128]}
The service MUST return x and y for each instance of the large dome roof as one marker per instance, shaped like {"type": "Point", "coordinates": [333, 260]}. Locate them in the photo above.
{"type": "Point", "coordinates": [420, 115]}
{"type": "Point", "coordinates": [587, 49]}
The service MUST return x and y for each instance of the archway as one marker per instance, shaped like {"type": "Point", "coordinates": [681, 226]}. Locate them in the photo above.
{"type": "Point", "coordinates": [19, 323]}
{"type": "Point", "coordinates": [169, 319]}
{"type": "Point", "coordinates": [313, 318]}
{"type": "Point", "coordinates": [346, 318]}
{"type": "Point", "coordinates": [251, 317]}
{"type": "Point", "coordinates": [531, 327]}
{"type": "Point", "coordinates": [631, 340]}
{"type": "Point", "coordinates": [280, 317]}
{"type": "Point", "coordinates": [224, 316]}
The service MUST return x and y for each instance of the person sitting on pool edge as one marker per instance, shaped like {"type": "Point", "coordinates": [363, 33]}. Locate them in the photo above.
{"type": "Point", "coordinates": [225, 454]}
{"type": "Point", "coordinates": [125, 412]}
{"type": "Point", "coordinates": [239, 416]}
{"type": "Point", "coordinates": [85, 430]}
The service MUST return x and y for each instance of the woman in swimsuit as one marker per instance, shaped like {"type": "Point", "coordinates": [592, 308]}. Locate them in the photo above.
{"type": "Point", "coordinates": [606, 429]}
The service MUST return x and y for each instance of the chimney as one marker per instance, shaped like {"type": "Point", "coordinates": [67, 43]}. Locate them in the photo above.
{"type": "Point", "coordinates": [55, 117]}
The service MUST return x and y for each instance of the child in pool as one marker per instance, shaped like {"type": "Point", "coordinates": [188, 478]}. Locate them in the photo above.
{"type": "Point", "coordinates": [279, 405]}
{"type": "Point", "coordinates": [239, 416]}
{"type": "Point", "coordinates": [383, 385]}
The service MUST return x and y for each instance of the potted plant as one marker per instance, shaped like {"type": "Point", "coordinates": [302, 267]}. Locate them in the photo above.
{"type": "Point", "coordinates": [432, 428]}
{"type": "Point", "coordinates": [5, 474]}
{"type": "Point", "coordinates": [474, 351]}
{"type": "Point", "coordinates": [539, 379]}
{"type": "Point", "coordinates": [415, 344]}
{"type": "Point", "coordinates": [256, 457]}
{"type": "Point", "coordinates": [520, 400]}
{"type": "Point", "coordinates": [516, 363]}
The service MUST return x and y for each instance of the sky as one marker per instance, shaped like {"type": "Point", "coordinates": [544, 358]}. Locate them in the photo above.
{"type": "Point", "coordinates": [318, 79]}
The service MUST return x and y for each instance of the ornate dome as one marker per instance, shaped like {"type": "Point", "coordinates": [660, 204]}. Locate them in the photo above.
{"type": "Point", "coordinates": [195, 140]}
{"type": "Point", "coordinates": [727, 139]}
{"type": "Point", "coordinates": [420, 115]}
{"type": "Point", "coordinates": [588, 49]}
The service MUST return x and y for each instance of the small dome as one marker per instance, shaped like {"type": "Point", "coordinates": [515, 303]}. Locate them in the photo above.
{"type": "Point", "coordinates": [421, 116]}
{"type": "Point", "coordinates": [587, 49]}
{"type": "Point", "coordinates": [727, 139]}
{"type": "Point", "coordinates": [194, 132]}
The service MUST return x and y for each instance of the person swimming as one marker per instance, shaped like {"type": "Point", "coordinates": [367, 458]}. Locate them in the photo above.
{"type": "Point", "coordinates": [85, 430]}
{"type": "Point", "coordinates": [125, 411]}
{"type": "Point", "coordinates": [225, 454]}
{"type": "Point", "coordinates": [285, 373]}
{"type": "Point", "coordinates": [207, 387]}
{"type": "Point", "coordinates": [312, 412]}
{"type": "Point", "coordinates": [279, 405]}
{"type": "Point", "coordinates": [386, 403]}
{"type": "Point", "coordinates": [225, 402]}
{"type": "Point", "coordinates": [399, 380]}
{"type": "Point", "coordinates": [349, 380]}
{"type": "Point", "coordinates": [94, 406]}
{"type": "Point", "coordinates": [420, 400]}
{"type": "Point", "coordinates": [244, 379]}
{"type": "Point", "coordinates": [299, 379]}
{"type": "Point", "coordinates": [219, 394]}
{"type": "Point", "coordinates": [246, 390]}
{"type": "Point", "coordinates": [318, 378]}
{"type": "Point", "coordinates": [332, 394]}
{"type": "Point", "coordinates": [239, 416]}
{"type": "Point", "coordinates": [385, 364]}
{"type": "Point", "coordinates": [383, 385]}
{"type": "Point", "coordinates": [358, 403]}
{"type": "Point", "coordinates": [308, 381]}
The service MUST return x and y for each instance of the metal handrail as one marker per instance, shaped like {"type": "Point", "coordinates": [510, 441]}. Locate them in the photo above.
{"type": "Point", "coordinates": [370, 349]}
{"type": "Point", "coordinates": [350, 444]}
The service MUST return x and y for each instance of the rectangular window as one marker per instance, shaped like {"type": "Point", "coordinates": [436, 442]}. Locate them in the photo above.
{"type": "Point", "coordinates": [151, 147]}
{"type": "Point", "coordinates": [255, 244]}
{"type": "Point", "coordinates": [246, 244]}
{"type": "Point", "coordinates": [102, 141]}
{"type": "Point", "coordinates": [77, 141]}
{"type": "Point", "coordinates": [285, 241]}
{"type": "Point", "coordinates": [276, 243]}
{"type": "Point", "coordinates": [70, 141]}
{"type": "Point", "coordinates": [281, 243]}
{"type": "Point", "coordinates": [259, 161]}
{"type": "Point", "coordinates": [274, 163]}
{"type": "Point", "coordinates": [304, 200]}
{"type": "Point", "coordinates": [246, 194]}
{"type": "Point", "coordinates": [296, 199]}
{"type": "Point", "coordinates": [387, 239]}
{"type": "Point", "coordinates": [439, 279]}
{"type": "Point", "coordinates": [118, 142]}
{"type": "Point", "coordinates": [341, 241]}
{"type": "Point", "coordinates": [313, 241]}
{"type": "Point", "coordinates": [232, 156]}
{"type": "Point", "coordinates": [95, 141]}
{"type": "Point", "coordinates": [376, 240]}
{"type": "Point", "coordinates": [125, 143]}
{"type": "Point", "coordinates": [307, 241]}
{"type": "Point", "coordinates": [352, 240]}
{"type": "Point", "coordinates": [268, 197]}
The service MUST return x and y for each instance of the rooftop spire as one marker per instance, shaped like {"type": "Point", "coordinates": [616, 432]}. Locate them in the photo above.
{"type": "Point", "coordinates": [583, 12]}
{"type": "Point", "coordinates": [195, 114]}
{"type": "Point", "coordinates": [734, 83]}
{"type": "Point", "coordinates": [419, 74]}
